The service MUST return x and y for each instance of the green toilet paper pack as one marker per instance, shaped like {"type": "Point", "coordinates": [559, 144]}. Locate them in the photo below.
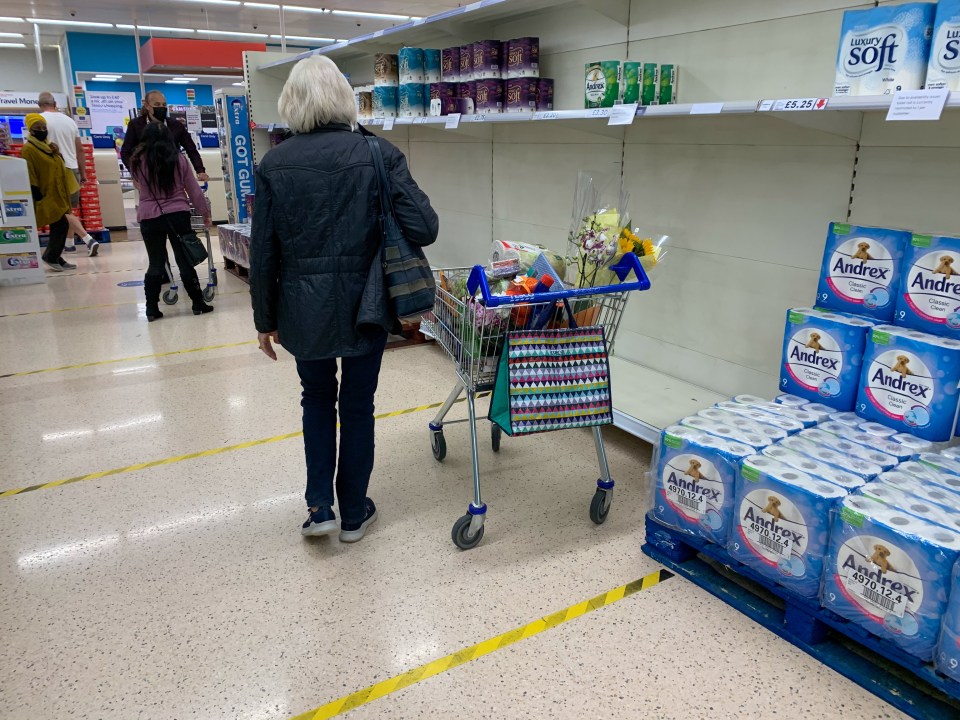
{"type": "Point", "coordinates": [602, 84]}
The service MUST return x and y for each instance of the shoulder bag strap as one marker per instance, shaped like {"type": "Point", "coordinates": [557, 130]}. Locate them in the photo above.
{"type": "Point", "coordinates": [383, 181]}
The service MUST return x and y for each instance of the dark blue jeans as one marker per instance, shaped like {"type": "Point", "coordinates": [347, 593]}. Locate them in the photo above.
{"type": "Point", "coordinates": [320, 399]}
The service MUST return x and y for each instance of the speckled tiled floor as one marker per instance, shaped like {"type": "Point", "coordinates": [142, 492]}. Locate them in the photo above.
{"type": "Point", "coordinates": [185, 590]}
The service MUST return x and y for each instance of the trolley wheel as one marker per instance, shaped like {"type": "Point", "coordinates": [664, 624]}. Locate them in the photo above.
{"type": "Point", "coordinates": [460, 534]}
{"type": "Point", "coordinates": [209, 293]}
{"type": "Point", "coordinates": [438, 445]}
{"type": "Point", "coordinates": [170, 297]}
{"type": "Point", "coordinates": [600, 506]}
{"type": "Point", "coordinates": [495, 435]}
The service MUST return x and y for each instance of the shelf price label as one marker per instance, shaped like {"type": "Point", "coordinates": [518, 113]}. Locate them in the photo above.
{"type": "Point", "coordinates": [453, 121]}
{"type": "Point", "coordinates": [419, 120]}
{"type": "Point", "coordinates": [794, 105]}
{"type": "Point", "coordinates": [477, 118]}
{"type": "Point", "coordinates": [546, 115]}
{"type": "Point", "coordinates": [599, 112]}
{"type": "Point", "coordinates": [388, 123]}
{"type": "Point", "coordinates": [623, 114]}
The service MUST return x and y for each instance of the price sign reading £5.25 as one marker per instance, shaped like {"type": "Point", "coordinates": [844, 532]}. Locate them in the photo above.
{"type": "Point", "coordinates": [799, 104]}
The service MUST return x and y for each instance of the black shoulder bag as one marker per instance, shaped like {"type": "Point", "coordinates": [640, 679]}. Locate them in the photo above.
{"type": "Point", "coordinates": [407, 275]}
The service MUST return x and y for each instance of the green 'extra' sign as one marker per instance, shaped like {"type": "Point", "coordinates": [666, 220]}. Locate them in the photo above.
{"type": "Point", "coordinates": [14, 235]}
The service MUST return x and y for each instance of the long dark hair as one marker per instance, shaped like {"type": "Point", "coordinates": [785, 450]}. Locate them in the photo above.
{"type": "Point", "coordinates": [157, 157]}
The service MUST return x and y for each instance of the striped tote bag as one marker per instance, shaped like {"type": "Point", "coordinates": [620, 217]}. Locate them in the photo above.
{"type": "Point", "coordinates": [552, 380]}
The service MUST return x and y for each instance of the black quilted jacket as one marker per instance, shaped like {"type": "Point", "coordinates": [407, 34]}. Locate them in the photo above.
{"type": "Point", "coordinates": [315, 234]}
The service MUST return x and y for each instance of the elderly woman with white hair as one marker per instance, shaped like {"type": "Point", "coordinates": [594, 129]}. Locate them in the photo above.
{"type": "Point", "coordinates": [315, 236]}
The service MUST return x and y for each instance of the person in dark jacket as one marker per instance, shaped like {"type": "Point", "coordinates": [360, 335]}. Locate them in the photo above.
{"type": "Point", "coordinates": [315, 237]}
{"type": "Point", "coordinates": [155, 110]}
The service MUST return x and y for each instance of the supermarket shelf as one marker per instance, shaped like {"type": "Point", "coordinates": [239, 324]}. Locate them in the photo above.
{"type": "Point", "coordinates": [868, 103]}
{"type": "Point", "coordinates": [417, 33]}
{"type": "Point", "coordinates": [646, 401]}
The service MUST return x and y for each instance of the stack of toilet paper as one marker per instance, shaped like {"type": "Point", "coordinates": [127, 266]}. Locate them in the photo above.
{"type": "Point", "coordinates": [890, 573]}
{"type": "Point", "coordinates": [781, 526]}
{"type": "Point", "coordinates": [695, 480]}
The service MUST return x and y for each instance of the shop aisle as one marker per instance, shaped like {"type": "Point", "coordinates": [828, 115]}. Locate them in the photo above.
{"type": "Point", "coordinates": [184, 590]}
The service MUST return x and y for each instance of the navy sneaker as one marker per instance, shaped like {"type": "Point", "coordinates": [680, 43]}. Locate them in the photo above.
{"type": "Point", "coordinates": [320, 522]}
{"type": "Point", "coordinates": [352, 532]}
{"type": "Point", "coordinates": [70, 248]}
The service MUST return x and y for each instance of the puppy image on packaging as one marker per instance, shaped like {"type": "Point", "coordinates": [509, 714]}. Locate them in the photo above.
{"type": "Point", "coordinates": [860, 273]}
{"type": "Point", "coordinates": [909, 382]}
{"type": "Point", "coordinates": [822, 352]}
{"type": "Point", "coordinates": [929, 297]}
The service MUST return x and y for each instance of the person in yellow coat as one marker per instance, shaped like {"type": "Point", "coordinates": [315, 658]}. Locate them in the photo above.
{"type": "Point", "coordinates": [52, 185]}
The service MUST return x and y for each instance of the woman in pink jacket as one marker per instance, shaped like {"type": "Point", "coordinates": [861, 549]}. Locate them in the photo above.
{"type": "Point", "coordinates": [167, 187]}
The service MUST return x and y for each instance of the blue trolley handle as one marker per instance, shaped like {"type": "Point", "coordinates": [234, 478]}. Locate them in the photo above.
{"type": "Point", "coordinates": [629, 262]}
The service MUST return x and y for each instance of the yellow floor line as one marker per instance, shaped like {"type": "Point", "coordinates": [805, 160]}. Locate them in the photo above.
{"type": "Point", "coordinates": [95, 363]}
{"type": "Point", "coordinates": [435, 667]}
{"type": "Point", "coordinates": [107, 305]}
{"type": "Point", "coordinates": [195, 455]}
{"type": "Point", "coordinates": [51, 276]}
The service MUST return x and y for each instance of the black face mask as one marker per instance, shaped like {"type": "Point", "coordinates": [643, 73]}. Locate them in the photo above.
{"type": "Point", "coordinates": [40, 135]}
{"type": "Point", "coordinates": [160, 114]}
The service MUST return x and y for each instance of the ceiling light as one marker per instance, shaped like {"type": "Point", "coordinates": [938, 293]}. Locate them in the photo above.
{"type": "Point", "coordinates": [12, 45]}
{"type": "Point", "coordinates": [215, 2]}
{"type": "Point", "coordinates": [155, 28]}
{"type": "Point", "coordinates": [104, 79]}
{"type": "Point", "coordinates": [302, 8]}
{"type": "Point", "coordinates": [234, 34]}
{"type": "Point", "coordinates": [360, 13]}
{"type": "Point", "coordinates": [71, 22]}
{"type": "Point", "coordinates": [240, 84]}
{"type": "Point", "coordinates": [262, 6]}
{"type": "Point", "coordinates": [303, 37]}
{"type": "Point", "coordinates": [177, 82]}
{"type": "Point", "coordinates": [107, 75]}
{"type": "Point", "coordinates": [11, 35]}
{"type": "Point", "coordinates": [185, 79]}
{"type": "Point", "coordinates": [11, 19]}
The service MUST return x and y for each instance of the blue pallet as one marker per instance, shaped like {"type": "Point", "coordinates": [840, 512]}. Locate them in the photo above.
{"type": "Point", "coordinates": [922, 693]}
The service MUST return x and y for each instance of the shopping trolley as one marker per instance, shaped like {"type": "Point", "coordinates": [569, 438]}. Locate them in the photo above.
{"type": "Point", "coordinates": [171, 295]}
{"type": "Point", "coordinates": [472, 330]}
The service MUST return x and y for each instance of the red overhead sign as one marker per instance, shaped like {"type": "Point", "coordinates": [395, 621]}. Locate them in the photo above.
{"type": "Point", "coordinates": [177, 55]}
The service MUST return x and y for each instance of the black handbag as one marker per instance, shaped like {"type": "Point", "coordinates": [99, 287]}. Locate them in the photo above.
{"type": "Point", "coordinates": [193, 248]}
{"type": "Point", "coordinates": [409, 280]}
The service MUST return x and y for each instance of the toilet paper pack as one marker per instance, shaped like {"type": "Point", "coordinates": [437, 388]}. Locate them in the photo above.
{"type": "Point", "coordinates": [948, 649]}
{"type": "Point", "coordinates": [819, 410]}
{"type": "Point", "coordinates": [909, 382]}
{"type": "Point", "coordinates": [884, 50]}
{"type": "Point", "coordinates": [411, 63]}
{"type": "Point", "coordinates": [851, 449]}
{"type": "Point", "coordinates": [385, 101]}
{"type": "Point", "coordinates": [772, 432]}
{"type": "Point", "coordinates": [414, 99]}
{"type": "Point", "coordinates": [918, 445]}
{"type": "Point", "coordinates": [386, 70]}
{"type": "Point", "coordinates": [889, 572]}
{"type": "Point", "coordinates": [822, 352]}
{"type": "Point", "coordinates": [929, 297]}
{"type": "Point", "coordinates": [777, 409]}
{"type": "Point", "coordinates": [846, 418]}
{"type": "Point", "coordinates": [523, 58]}
{"type": "Point", "coordinates": [450, 64]}
{"type": "Point", "coordinates": [782, 522]}
{"type": "Point", "coordinates": [928, 492]}
{"type": "Point", "coordinates": [757, 441]}
{"type": "Point", "coordinates": [930, 475]}
{"type": "Point", "coordinates": [877, 429]}
{"type": "Point", "coordinates": [784, 423]}
{"type": "Point", "coordinates": [940, 463]}
{"type": "Point", "coordinates": [432, 62]}
{"type": "Point", "coordinates": [791, 400]}
{"type": "Point", "coordinates": [695, 480]}
{"type": "Point", "coordinates": [943, 70]}
{"type": "Point", "coordinates": [951, 452]}
{"type": "Point", "coordinates": [860, 272]}
{"type": "Point", "coordinates": [898, 451]}
{"type": "Point", "coordinates": [815, 468]}
{"type": "Point", "coordinates": [909, 503]}
{"type": "Point", "coordinates": [863, 468]}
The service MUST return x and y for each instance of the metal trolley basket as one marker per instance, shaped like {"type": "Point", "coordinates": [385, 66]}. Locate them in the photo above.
{"type": "Point", "coordinates": [472, 330]}
{"type": "Point", "coordinates": [171, 295]}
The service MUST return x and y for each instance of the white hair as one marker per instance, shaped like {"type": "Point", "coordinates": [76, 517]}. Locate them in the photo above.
{"type": "Point", "coordinates": [317, 93]}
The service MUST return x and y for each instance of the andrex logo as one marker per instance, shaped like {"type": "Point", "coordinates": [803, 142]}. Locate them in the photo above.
{"type": "Point", "coordinates": [878, 574]}
{"type": "Point", "coordinates": [896, 379]}
{"type": "Point", "coordinates": [694, 487]}
{"type": "Point", "coordinates": [773, 526]}
{"type": "Point", "coordinates": [874, 51]}
{"type": "Point", "coordinates": [812, 357]}
{"type": "Point", "coordinates": [860, 268]}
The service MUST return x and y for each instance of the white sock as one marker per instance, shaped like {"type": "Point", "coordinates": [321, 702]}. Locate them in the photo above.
{"type": "Point", "coordinates": [88, 238]}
